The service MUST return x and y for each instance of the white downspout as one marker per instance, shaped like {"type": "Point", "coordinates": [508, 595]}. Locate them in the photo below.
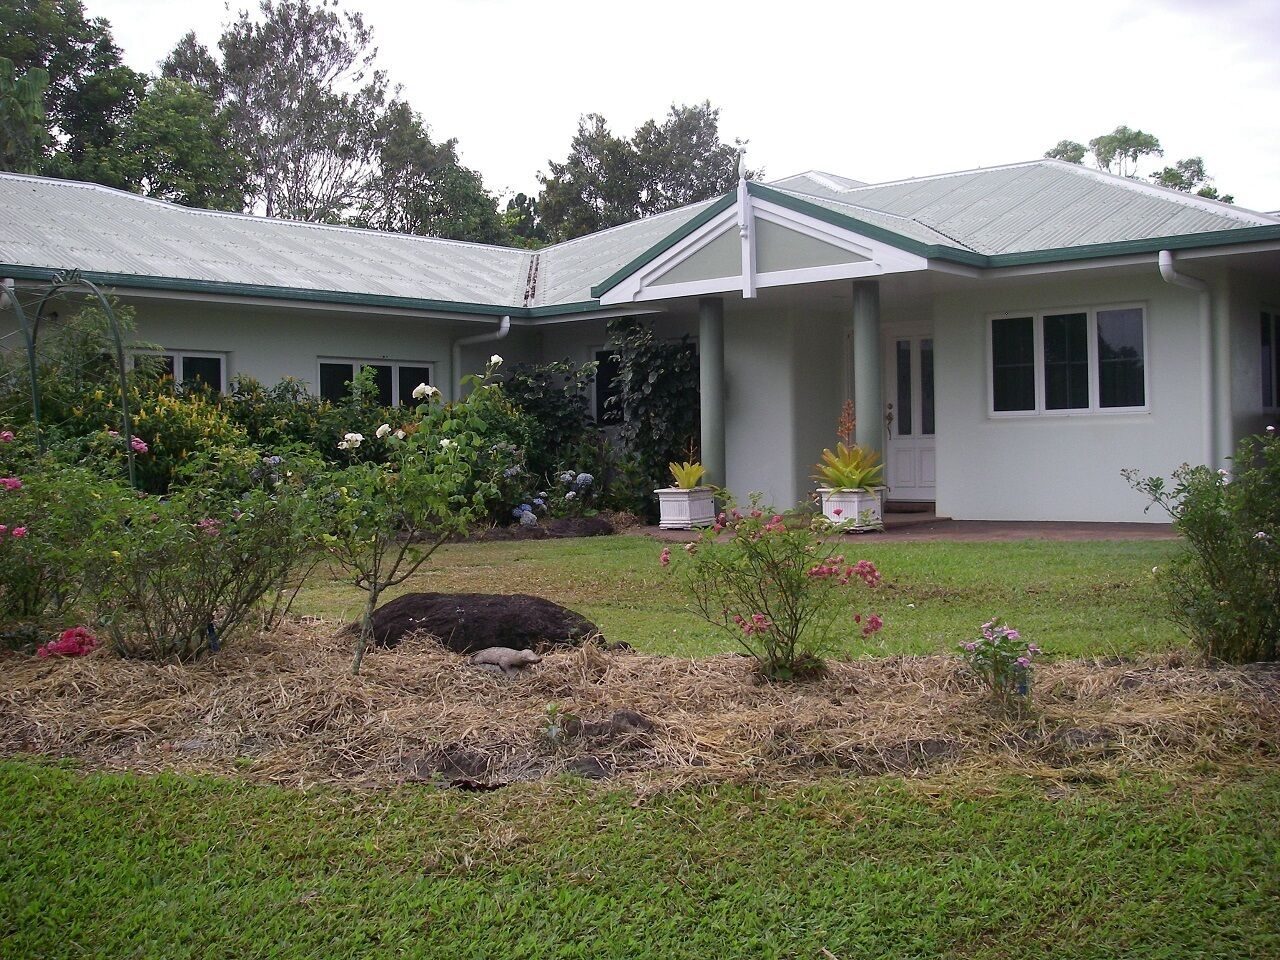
{"type": "Point", "coordinates": [456, 372]}
{"type": "Point", "coordinates": [1170, 275]}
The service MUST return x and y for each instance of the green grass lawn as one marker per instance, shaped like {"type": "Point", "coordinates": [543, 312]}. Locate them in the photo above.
{"type": "Point", "coordinates": [119, 865]}
{"type": "Point", "coordinates": [1074, 599]}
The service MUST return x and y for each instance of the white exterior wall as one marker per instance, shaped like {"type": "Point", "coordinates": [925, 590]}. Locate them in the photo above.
{"type": "Point", "coordinates": [1063, 467]}
{"type": "Point", "coordinates": [1249, 297]}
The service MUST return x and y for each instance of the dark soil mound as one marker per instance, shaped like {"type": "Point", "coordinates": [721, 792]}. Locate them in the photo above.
{"type": "Point", "coordinates": [467, 622]}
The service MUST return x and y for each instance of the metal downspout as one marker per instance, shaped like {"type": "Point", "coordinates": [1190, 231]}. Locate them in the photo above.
{"type": "Point", "coordinates": [455, 374]}
{"type": "Point", "coordinates": [1171, 275]}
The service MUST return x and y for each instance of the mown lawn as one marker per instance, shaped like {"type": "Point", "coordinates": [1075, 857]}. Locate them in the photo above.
{"type": "Point", "coordinates": [121, 865]}
{"type": "Point", "coordinates": [1074, 599]}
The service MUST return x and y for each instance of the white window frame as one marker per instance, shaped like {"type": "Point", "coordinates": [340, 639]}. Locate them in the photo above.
{"type": "Point", "coordinates": [178, 356]}
{"type": "Point", "coordinates": [1274, 405]}
{"type": "Point", "coordinates": [395, 366]}
{"type": "Point", "coordinates": [1037, 323]}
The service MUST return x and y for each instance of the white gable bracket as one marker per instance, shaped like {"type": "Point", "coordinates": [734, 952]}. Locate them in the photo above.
{"type": "Point", "coordinates": [747, 232]}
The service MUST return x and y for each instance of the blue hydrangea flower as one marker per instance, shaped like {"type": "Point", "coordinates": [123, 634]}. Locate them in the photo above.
{"type": "Point", "coordinates": [567, 476]}
{"type": "Point", "coordinates": [510, 471]}
{"type": "Point", "coordinates": [583, 480]}
{"type": "Point", "coordinates": [528, 520]}
{"type": "Point", "coordinates": [539, 502]}
{"type": "Point", "coordinates": [518, 512]}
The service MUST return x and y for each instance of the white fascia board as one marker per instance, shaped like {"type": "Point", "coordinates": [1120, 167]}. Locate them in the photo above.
{"type": "Point", "coordinates": [882, 258]}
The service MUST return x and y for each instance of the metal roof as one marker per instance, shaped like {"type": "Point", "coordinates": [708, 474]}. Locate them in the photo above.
{"type": "Point", "coordinates": [1042, 205]}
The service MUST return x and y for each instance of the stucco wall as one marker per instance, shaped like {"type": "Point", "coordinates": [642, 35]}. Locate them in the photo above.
{"type": "Point", "coordinates": [1063, 467]}
{"type": "Point", "coordinates": [1249, 297]}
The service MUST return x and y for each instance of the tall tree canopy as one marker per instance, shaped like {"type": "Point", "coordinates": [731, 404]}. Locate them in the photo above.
{"type": "Point", "coordinates": [22, 118]}
{"type": "Point", "coordinates": [1122, 151]}
{"type": "Point", "coordinates": [607, 180]}
{"type": "Point", "coordinates": [90, 93]}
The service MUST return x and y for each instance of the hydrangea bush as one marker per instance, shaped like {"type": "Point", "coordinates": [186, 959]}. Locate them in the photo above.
{"type": "Point", "coordinates": [1002, 660]}
{"type": "Point", "coordinates": [784, 593]}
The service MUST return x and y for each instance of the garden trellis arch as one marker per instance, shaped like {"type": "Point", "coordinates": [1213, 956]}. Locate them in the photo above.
{"type": "Point", "coordinates": [61, 284]}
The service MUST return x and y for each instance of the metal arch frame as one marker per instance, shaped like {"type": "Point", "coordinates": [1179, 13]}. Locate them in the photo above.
{"type": "Point", "coordinates": [60, 284]}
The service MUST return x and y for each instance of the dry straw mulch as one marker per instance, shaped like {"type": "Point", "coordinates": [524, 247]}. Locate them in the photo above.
{"type": "Point", "coordinates": [284, 708]}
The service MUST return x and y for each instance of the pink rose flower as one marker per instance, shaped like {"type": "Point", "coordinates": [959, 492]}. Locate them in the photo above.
{"type": "Point", "coordinates": [6, 436]}
{"type": "Point", "coordinates": [10, 483]}
{"type": "Point", "coordinates": [19, 532]}
{"type": "Point", "coordinates": [665, 557]}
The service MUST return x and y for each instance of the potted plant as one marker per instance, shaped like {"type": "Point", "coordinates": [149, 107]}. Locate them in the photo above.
{"type": "Point", "coordinates": [852, 480]}
{"type": "Point", "coordinates": [686, 505]}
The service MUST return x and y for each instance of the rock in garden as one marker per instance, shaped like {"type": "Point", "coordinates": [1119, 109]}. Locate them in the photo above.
{"type": "Point", "coordinates": [505, 659]}
{"type": "Point", "coordinates": [469, 622]}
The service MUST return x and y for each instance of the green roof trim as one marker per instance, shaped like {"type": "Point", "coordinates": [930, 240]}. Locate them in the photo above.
{"type": "Point", "coordinates": [663, 245]}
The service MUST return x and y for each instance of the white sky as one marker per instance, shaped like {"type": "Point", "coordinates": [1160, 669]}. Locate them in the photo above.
{"type": "Point", "coordinates": [874, 91]}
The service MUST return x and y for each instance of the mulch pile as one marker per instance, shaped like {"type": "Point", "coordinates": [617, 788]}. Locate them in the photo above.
{"type": "Point", "coordinates": [284, 708]}
{"type": "Point", "coordinates": [467, 622]}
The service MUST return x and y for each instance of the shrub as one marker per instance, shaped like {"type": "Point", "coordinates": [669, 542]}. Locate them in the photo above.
{"type": "Point", "coordinates": [554, 396]}
{"type": "Point", "coordinates": [657, 398]}
{"type": "Point", "coordinates": [1223, 587]}
{"type": "Point", "coordinates": [188, 570]}
{"type": "Point", "coordinates": [782, 592]}
{"type": "Point", "coordinates": [56, 525]}
{"type": "Point", "coordinates": [1002, 660]}
{"type": "Point", "coordinates": [431, 480]}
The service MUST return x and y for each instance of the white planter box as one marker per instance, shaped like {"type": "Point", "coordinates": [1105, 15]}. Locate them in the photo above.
{"type": "Point", "coordinates": [859, 509]}
{"type": "Point", "coordinates": [686, 509]}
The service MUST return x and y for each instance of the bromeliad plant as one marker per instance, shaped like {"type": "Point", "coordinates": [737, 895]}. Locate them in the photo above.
{"type": "Point", "coordinates": [687, 475]}
{"type": "Point", "coordinates": [783, 592]}
{"type": "Point", "coordinates": [850, 468]}
{"type": "Point", "coordinates": [1002, 660]}
{"type": "Point", "coordinates": [435, 476]}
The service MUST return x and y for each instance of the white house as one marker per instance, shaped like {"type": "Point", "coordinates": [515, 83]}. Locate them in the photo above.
{"type": "Point", "coordinates": [1013, 337]}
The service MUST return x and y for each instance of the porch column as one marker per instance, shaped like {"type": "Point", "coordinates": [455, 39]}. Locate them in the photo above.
{"type": "Point", "coordinates": [711, 386]}
{"type": "Point", "coordinates": [867, 397]}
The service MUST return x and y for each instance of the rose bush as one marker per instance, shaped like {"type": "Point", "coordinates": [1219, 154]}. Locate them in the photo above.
{"type": "Point", "coordinates": [784, 593]}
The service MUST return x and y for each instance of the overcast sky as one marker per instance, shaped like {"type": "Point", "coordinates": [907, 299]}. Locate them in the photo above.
{"type": "Point", "coordinates": [874, 91]}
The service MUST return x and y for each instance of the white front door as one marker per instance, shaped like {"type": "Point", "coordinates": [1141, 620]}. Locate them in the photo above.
{"type": "Point", "coordinates": [909, 416]}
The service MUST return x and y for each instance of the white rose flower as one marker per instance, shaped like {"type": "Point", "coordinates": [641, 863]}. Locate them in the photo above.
{"type": "Point", "coordinates": [447, 444]}
{"type": "Point", "coordinates": [424, 390]}
{"type": "Point", "coordinates": [343, 445]}
{"type": "Point", "coordinates": [1260, 535]}
{"type": "Point", "coordinates": [495, 360]}
{"type": "Point", "coordinates": [383, 430]}
{"type": "Point", "coordinates": [400, 434]}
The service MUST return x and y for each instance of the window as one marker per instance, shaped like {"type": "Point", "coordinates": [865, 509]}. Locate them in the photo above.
{"type": "Point", "coordinates": [1270, 359]}
{"type": "Point", "coordinates": [606, 388]}
{"type": "Point", "coordinates": [190, 367]}
{"type": "Point", "coordinates": [395, 380]}
{"type": "Point", "coordinates": [1063, 362]}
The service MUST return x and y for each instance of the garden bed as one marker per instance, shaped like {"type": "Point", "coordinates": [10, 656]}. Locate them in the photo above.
{"type": "Point", "coordinates": [284, 708]}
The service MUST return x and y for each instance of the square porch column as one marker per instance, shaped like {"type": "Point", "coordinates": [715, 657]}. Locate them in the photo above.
{"type": "Point", "coordinates": [711, 387]}
{"type": "Point", "coordinates": [867, 396]}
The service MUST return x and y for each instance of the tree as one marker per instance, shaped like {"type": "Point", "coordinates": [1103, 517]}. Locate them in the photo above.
{"type": "Point", "coordinates": [1189, 176]}
{"type": "Point", "coordinates": [1068, 150]}
{"type": "Point", "coordinates": [177, 142]}
{"type": "Point", "coordinates": [607, 180]}
{"type": "Point", "coordinates": [1121, 150]}
{"type": "Point", "coordinates": [523, 225]}
{"type": "Point", "coordinates": [91, 93]}
{"type": "Point", "coordinates": [22, 118]}
{"type": "Point", "coordinates": [421, 187]}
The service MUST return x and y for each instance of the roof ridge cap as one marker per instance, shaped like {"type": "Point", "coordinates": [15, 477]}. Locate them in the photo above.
{"type": "Point", "coordinates": [629, 223]}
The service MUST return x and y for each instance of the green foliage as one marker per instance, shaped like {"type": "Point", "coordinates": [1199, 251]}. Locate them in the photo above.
{"type": "Point", "coordinates": [607, 180]}
{"type": "Point", "coordinates": [1189, 176]}
{"type": "Point", "coordinates": [782, 591]}
{"type": "Point", "coordinates": [22, 118]}
{"type": "Point", "coordinates": [1223, 589]}
{"type": "Point", "coordinates": [657, 396]}
{"type": "Point", "coordinates": [176, 144]}
{"type": "Point", "coordinates": [188, 570]}
{"type": "Point", "coordinates": [555, 397]}
{"type": "Point", "coordinates": [1122, 149]}
{"type": "Point", "coordinates": [1068, 150]}
{"type": "Point", "coordinates": [436, 477]}
{"type": "Point", "coordinates": [686, 475]}
{"type": "Point", "coordinates": [57, 526]}
{"type": "Point", "coordinates": [91, 93]}
{"type": "Point", "coordinates": [850, 468]}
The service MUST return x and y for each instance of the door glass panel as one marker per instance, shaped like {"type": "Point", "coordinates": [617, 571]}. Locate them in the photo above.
{"type": "Point", "coordinates": [334, 378]}
{"type": "Point", "coordinates": [926, 387]}
{"type": "Point", "coordinates": [902, 410]}
{"type": "Point", "coordinates": [382, 376]}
